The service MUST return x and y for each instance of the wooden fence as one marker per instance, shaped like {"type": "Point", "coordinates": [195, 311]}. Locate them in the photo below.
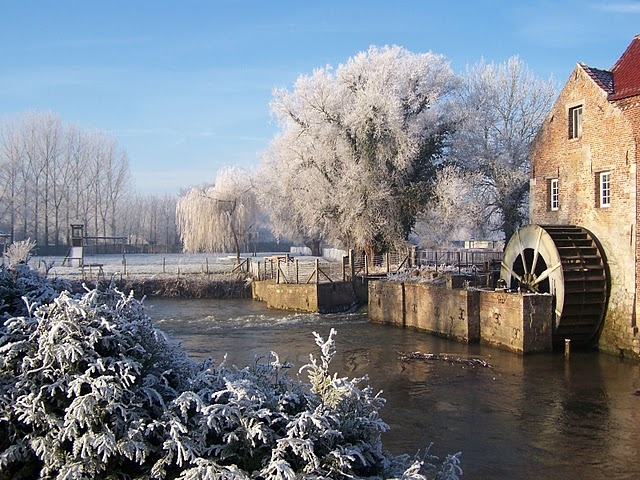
{"type": "Point", "coordinates": [286, 269]}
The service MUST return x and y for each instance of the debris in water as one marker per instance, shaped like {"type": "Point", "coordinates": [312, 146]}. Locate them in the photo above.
{"type": "Point", "coordinates": [407, 357]}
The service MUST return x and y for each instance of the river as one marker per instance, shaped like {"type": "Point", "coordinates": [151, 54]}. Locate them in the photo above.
{"type": "Point", "coordinates": [531, 417]}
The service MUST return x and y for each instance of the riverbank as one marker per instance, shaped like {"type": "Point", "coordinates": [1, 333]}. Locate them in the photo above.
{"type": "Point", "coordinates": [153, 275]}
{"type": "Point", "coordinates": [176, 287]}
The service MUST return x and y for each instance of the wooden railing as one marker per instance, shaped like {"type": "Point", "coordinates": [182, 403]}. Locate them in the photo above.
{"type": "Point", "coordinates": [286, 269]}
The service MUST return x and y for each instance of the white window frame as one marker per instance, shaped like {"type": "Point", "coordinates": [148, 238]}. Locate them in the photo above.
{"type": "Point", "coordinates": [575, 122]}
{"type": "Point", "coordinates": [605, 189]}
{"type": "Point", "coordinates": [554, 203]}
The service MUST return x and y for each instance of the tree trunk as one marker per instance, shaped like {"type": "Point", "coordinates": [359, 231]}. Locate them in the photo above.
{"type": "Point", "coordinates": [314, 246]}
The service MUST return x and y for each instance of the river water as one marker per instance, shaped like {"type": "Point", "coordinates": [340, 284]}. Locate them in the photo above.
{"type": "Point", "coordinates": [531, 417]}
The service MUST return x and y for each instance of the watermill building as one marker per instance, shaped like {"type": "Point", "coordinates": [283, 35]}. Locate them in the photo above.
{"type": "Point", "coordinates": [582, 244]}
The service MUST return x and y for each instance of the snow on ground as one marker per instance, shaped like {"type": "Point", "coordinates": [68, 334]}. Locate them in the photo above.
{"type": "Point", "coordinates": [142, 265]}
{"type": "Point", "coordinates": [150, 266]}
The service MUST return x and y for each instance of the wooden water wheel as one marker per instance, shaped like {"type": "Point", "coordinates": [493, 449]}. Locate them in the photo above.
{"type": "Point", "coordinates": [566, 261]}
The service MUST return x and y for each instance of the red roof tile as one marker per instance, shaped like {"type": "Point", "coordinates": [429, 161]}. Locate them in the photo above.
{"type": "Point", "coordinates": [626, 72]}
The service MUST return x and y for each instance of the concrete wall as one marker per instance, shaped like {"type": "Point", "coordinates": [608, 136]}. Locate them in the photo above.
{"type": "Point", "coordinates": [311, 297]}
{"type": "Point", "coordinates": [386, 302]}
{"type": "Point", "coordinates": [517, 322]}
{"type": "Point", "coordinates": [437, 309]}
{"type": "Point", "coordinates": [299, 297]}
{"type": "Point", "coordinates": [429, 307]}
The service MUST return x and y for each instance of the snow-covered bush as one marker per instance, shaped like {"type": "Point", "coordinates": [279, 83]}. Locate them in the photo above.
{"type": "Point", "coordinates": [22, 288]}
{"type": "Point", "coordinates": [19, 252]}
{"type": "Point", "coordinates": [90, 389]}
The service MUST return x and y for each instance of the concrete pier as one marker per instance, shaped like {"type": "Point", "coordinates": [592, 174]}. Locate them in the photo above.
{"type": "Point", "coordinates": [514, 321]}
{"type": "Point", "coordinates": [305, 297]}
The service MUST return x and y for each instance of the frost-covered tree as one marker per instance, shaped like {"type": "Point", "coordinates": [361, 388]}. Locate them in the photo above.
{"type": "Point", "coordinates": [354, 145]}
{"type": "Point", "coordinates": [90, 389]}
{"type": "Point", "coordinates": [453, 212]}
{"type": "Point", "coordinates": [53, 174]}
{"type": "Point", "coordinates": [502, 107]}
{"type": "Point", "coordinates": [219, 217]}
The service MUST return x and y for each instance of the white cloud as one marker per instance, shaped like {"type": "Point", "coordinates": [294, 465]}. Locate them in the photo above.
{"type": "Point", "coordinates": [622, 7]}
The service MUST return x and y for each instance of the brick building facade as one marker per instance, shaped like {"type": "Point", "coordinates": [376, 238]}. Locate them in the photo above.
{"type": "Point", "coordinates": [584, 172]}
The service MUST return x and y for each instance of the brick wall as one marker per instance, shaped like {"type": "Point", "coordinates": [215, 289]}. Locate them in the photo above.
{"type": "Point", "coordinates": [608, 143]}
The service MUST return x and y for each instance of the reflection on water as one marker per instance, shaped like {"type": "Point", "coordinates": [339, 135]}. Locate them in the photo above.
{"type": "Point", "coordinates": [527, 417]}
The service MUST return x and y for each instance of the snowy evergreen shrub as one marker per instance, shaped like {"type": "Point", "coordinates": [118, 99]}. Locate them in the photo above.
{"type": "Point", "coordinates": [90, 389]}
{"type": "Point", "coordinates": [22, 288]}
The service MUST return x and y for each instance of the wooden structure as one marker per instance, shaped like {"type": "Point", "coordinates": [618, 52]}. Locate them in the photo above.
{"type": "Point", "coordinates": [76, 250]}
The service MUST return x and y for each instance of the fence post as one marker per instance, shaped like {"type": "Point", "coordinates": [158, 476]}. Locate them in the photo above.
{"type": "Point", "coordinates": [345, 259]}
{"type": "Point", "coordinates": [352, 261]}
{"type": "Point", "coordinates": [388, 262]}
{"type": "Point", "coordinates": [297, 271]}
{"type": "Point", "coordinates": [277, 272]}
{"type": "Point", "coordinates": [317, 262]}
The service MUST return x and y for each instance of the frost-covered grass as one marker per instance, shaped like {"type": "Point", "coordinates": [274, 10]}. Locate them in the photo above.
{"type": "Point", "coordinates": [89, 388]}
{"type": "Point", "coordinates": [142, 265]}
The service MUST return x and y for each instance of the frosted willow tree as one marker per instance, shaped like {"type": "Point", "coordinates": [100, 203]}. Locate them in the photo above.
{"type": "Point", "coordinates": [357, 148]}
{"type": "Point", "coordinates": [502, 108]}
{"type": "Point", "coordinates": [218, 218]}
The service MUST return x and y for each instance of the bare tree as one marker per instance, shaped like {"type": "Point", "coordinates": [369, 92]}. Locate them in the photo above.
{"type": "Point", "coordinates": [502, 107]}
{"type": "Point", "coordinates": [54, 175]}
{"type": "Point", "coordinates": [150, 220]}
{"type": "Point", "coordinates": [11, 186]}
{"type": "Point", "coordinates": [218, 218]}
{"type": "Point", "coordinates": [351, 144]}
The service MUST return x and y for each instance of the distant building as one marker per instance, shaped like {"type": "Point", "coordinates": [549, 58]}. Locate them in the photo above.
{"type": "Point", "coordinates": [584, 173]}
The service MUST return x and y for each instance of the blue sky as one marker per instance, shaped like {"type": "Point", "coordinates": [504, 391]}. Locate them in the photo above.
{"type": "Point", "coordinates": [184, 86]}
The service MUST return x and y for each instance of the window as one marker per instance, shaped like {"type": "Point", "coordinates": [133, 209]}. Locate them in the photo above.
{"type": "Point", "coordinates": [554, 203]}
{"type": "Point", "coordinates": [605, 189]}
{"type": "Point", "coordinates": [575, 122]}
